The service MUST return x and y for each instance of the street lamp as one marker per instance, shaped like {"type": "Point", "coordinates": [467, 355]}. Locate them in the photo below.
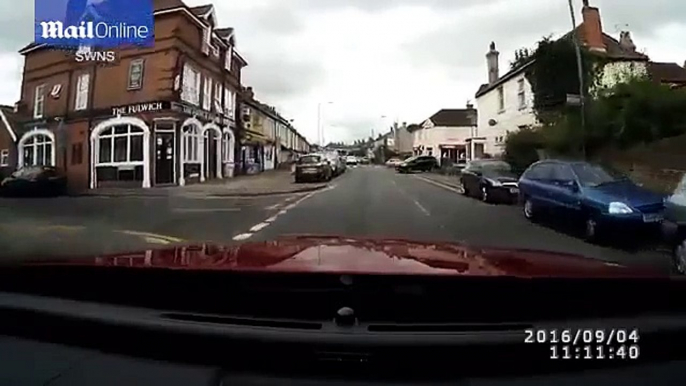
{"type": "Point", "coordinates": [580, 70]}
{"type": "Point", "coordinates": [320, 129]}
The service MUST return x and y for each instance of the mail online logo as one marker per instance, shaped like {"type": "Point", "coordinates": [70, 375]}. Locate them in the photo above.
{"type": "Point", "coordinates": [104, 24]}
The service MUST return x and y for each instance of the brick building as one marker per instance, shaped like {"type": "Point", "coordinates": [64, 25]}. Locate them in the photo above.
{"type": "Point", "coordinates": [155, 116]}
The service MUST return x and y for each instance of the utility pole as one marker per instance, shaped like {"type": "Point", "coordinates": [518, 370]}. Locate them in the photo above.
{"type": "Point", "coordinates": [580, 69]}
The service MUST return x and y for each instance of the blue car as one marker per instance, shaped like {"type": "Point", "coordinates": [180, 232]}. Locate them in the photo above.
{"type": "Point", "coordinates": [600, 198]}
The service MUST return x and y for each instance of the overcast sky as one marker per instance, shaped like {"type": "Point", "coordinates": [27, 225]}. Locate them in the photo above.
{"type": "Point", "coordinates": [402, 59]}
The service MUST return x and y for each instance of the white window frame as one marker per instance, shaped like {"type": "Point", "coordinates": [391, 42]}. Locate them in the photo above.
{"type": "Point", "coordinates": [136, 63]}
{"type": "Point", "coordinates": [39, 101]}
{"type": "Point", "coordinates": [191, 144]}
{"type": "Point", "coordinates": [4, 157]}
{"type": "Point", "coordinates": [206, 40]}
{"type": "Point", "coordinates": [82, 87]}
{"type": "Point", "coordinates": [228, 58]}
{"type": "Point", "coordinates": [33, 142]}
{"type": "Point", "coordinates": [207, 94]}
{"type": "Point", "coordinates": [218, 93]}
{"type": "Point", "coordinates": [501, 99]}
{"type": "Point", "coordinates": [112, 137]}
{"type": "Point", "coordinates": [190, 88]}
{"type": "Point", "coordinates": [521, 94]}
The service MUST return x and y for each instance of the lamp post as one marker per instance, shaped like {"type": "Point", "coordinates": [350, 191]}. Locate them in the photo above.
{"type": "Point", "coordinates": [580, 71]}
{"type": "Point", "coordinates": [320, 129]}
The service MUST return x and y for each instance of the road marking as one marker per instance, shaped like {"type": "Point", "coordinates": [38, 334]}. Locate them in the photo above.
{"type": "Point", "coordinates": [273, 207]}
{"type": "Point", "coordinates": [258, 227]}
{"type": "Point", "coordinates": [440, 185]}
{"type": "Point", "coordinates": [203, 210]}
{"type": "Point", "coordinates": [423, 209]}
{"type": "Point", "coordinates": [420, 206]}
{"type": "Point", "coordinates": [144, 235]}
{"type": "Point", "coordinates": [65, 228]}
{"type": "Point", "coordinates": [153, 240]}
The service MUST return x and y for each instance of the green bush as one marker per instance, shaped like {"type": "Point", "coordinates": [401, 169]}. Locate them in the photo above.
{"type": "Point", "coordinates": [522, 148]}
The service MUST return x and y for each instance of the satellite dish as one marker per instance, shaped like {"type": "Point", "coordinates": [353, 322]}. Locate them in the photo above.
{"type": "Point", "coordinates": [492, 122]}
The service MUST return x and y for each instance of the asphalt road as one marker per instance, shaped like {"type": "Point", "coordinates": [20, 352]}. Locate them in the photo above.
{"type": "Point", "coordinates": [366, 201]}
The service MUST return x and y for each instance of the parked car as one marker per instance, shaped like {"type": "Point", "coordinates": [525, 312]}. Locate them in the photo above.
{"type": "Point", "coordinates": [35, 181]}
{"type": "Point", "coordinates": [490, 181]}
{"type": "Point", "coordinates": [351, 160]}
{"type": "Point", "coordinates": [599, 197]}
{"type": "Point", "coordinates": [393, 162]}
{"type": "Point", "coordinates": [335, 163]}
{"type": "Point", "coordinates": [422, 163]}
{"type": "Point", "coordinates": [675, 215]}
{"type": "Point", "coordinates": [313, 167]}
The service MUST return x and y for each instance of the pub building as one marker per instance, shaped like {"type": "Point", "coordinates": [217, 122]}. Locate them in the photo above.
{"type": "Point", "coordinates": [164, 115]}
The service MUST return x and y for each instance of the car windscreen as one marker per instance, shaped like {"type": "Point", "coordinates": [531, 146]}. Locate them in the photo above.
{"type": "Point", "coordinates": [309, 159]}
{"type": "Point", "coordinates": [596, 175]}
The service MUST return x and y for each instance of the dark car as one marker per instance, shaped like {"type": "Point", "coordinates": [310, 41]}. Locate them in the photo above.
{"type": "Point", "coordinates": [34, 181]}
{"type": "Point", "coordinates": [602, 198]}
{"type": "Point", "coordinates": [490, 181]}
{"type": "Point", "coordinates": [313, 167]}
{"type": "Point", "coordinates": [422, 163]}
{"type": "Point", "coordinates": [675, 215]}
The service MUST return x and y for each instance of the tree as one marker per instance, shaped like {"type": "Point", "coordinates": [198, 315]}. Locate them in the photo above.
{"type": "Point", "coordinates": [522, 57]}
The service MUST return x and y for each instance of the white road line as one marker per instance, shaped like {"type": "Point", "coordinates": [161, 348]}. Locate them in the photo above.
{"type": "Point", "coordinates": [242, 236]}
{"type": "Point", "coordinates": [440, 185]}
{"type": "Point", "coordinates": [203, 210]}
{"type": "Point", "coordinates": [270, 220]}
{"type": "Point", "coordinates": [259, 227]}
{"type": "Point", "coordinates": [420, 206]}
{"type": "Point", "coordinates": [273, 207]}
{"type": "Point", "coordinates": [423, 209]}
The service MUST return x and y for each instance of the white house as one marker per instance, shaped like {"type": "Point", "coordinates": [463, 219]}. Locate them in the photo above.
{"type": "Point", "coordinates": [505, 103]}
{"type": "Point", "coordinates": [448, 134]}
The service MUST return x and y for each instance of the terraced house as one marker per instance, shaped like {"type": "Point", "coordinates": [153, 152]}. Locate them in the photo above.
{"type": "Point", "coordinates": [270, 141]}
{"type": "Point", "coordinates": [154, 116]}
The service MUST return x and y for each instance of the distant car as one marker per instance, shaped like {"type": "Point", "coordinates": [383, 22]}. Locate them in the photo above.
{"type": "Point", "coordinates": [393, 162]}
{"type": "Point", "coordinates": [423, 163]}
{"type": "Point", "coordinates": [675, 215]}
{"type": "Point", "coordinates": [599, 197]}
{"type": "Point", "coordinates": [490, 181]}
{"type": "Point", "coordinates": [34, 181]}
{"type": "Point", "coordinates": [351, 160]}
{"type": "Point", "coordinates": [313, 167]}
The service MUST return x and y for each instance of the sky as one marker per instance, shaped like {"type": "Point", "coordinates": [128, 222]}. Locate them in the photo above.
{"type": "Point", "coordinates": [368, 63]}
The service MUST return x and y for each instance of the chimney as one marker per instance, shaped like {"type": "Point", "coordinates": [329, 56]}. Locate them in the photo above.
{"type": "Point", "coordinates": [626, 42]}
{"type": "Point", "coordinates": [592, 29]}
{"type": "Point", "coordinates": [492, 62]}
{"type": "Point", "coordinates": [470, 106]}
{"type": "Point", "coordinates": [249, 93]}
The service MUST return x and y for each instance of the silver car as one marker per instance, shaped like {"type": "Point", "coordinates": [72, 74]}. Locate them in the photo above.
{"type": "Point", "coordinates": [675, 215]}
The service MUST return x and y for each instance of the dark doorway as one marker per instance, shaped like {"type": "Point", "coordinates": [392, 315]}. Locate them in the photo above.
{"type": "Point", "coordinates": [210, 155]}
{"type": "Point", "coordinates": [164, 158]}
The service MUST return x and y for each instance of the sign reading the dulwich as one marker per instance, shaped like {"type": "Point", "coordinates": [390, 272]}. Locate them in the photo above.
{"type": "Point", "coordinates": [100, 23]}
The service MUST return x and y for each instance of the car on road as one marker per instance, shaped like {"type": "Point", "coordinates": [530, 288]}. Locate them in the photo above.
{"type": "Point", "coordinates": [34, 181]}
{"type": "Point", "coordinates": [598, 197]}
{"type": "Point", "coordinates": [335, 163]}
{"type": "Point", "coordinates": [490, 181]}
{"type": "Point", "coordinates": [313, 167]}
{"type": "Point", "coordinates": [393, 162]}
{"type": "Point", "coordinates": [351, 160]}
{"type": "Point", "coordinates": [675, 215]}
{"type": "Point", "coordinates": [422, 163]}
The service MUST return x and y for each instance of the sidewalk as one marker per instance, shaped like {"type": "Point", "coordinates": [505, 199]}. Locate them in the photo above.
{"type": "Point", "coordinates": [263, 184]}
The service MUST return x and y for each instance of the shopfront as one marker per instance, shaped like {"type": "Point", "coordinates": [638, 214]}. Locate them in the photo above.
{"type": "Point", "coordinates": [160, 143]}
